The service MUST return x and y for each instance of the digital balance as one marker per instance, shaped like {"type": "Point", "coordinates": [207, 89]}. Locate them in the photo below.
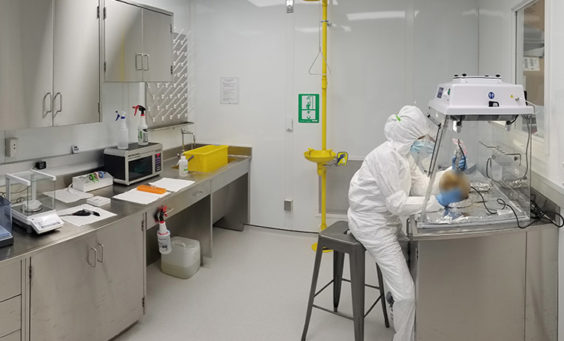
{"type": "Point", "coordinates": [30, 210]}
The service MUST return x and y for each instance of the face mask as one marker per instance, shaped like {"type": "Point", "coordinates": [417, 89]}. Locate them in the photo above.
{"type": "Point", "coordinates": [425, 147]}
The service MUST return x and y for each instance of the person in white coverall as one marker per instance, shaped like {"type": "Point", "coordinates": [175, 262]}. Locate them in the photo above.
{"type": "Point", "coordinates": [390, 185]}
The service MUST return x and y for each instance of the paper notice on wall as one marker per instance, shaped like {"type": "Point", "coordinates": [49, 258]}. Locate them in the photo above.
{"type": "Point", "coordinates": [531, 64]}
{"type": "Point", "coordinates": [229, 90]}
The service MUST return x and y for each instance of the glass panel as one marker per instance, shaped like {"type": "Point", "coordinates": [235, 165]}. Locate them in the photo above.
{"type": "Point", "coordinates": [140, 168]}
{"type": "Point", "coordinates": [498, 174]}
{"type": "Point", "coordinates": [31, 200]}
{"type": "Point", "coordinates": [530, 61]}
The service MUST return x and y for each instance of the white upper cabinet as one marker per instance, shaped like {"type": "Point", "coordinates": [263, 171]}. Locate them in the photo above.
{"type": "Point", "coordinates": [123, 28]}
{"type": "Point", "coordinates": [26, 63]}
{"type": "Point", "coordinates": [49, 63]}
{"type": "Point", "coordinates": [76, 72]}
{"type": "Point", "coordinates": [137, 43]}
{"type": "Point", "coordinates": [157, 46]}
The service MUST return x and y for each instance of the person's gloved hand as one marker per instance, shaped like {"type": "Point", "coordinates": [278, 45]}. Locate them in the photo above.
{"type": "Point", "coordinates": [461, 164]}
{"type": "Point", "coordinates": [447, 198]}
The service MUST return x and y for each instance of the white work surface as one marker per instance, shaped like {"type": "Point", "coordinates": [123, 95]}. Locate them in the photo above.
{"type": "Point", "coordinates": [84, 220]}
{"type": "Point", "coordinates": [140, 197]}
{"type": "Point", "coordinates": [172, 185]}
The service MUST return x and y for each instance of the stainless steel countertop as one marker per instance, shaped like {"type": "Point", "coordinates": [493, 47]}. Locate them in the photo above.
{"type": "Point", "coordinates": [27, 244]}
{"type": "Point", "coordinates": [422, 234]}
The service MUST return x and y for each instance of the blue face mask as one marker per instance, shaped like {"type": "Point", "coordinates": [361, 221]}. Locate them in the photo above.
{"type": "Point", "coordinates": [423, 147]}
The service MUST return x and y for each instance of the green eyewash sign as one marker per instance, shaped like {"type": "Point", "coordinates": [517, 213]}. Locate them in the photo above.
{"type": "Point", "coordinates": [308, 105]}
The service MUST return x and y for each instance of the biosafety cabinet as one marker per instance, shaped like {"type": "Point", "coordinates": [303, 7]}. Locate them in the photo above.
{"type": "Point", "coordinates": [480, 271]}
{"type": "Point", "coordinates": [489, 123]}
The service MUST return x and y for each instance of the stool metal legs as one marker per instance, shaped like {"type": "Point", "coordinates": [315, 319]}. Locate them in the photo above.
{"type": "Point", "coordinates": [383, 296]}
{"type": "Point", "coordinates": [357, 286]}
{"type": "Point", "coordinates": [357, 269]}
{"type": "Point", "coordinates": [316, 267]}
{"type": "Point", "coordinates": [338, 265]}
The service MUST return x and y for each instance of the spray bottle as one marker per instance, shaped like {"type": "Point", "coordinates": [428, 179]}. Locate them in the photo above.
{"type": "Point", "coordinates": [123, 136]}
{"type": "Point", "coordinates": [143, 129]}
{"type": "Point", "coordinates": [163, 234]}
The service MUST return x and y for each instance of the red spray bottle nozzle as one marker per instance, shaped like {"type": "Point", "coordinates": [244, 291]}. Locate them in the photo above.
{"type": "Point", "coordinates": [161, 214]}
{"type": "Point", "coordinates": [140, 108]}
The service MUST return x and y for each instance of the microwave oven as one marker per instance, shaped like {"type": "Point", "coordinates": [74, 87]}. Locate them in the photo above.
{"type": "Point", "coordinates": [135, 164]}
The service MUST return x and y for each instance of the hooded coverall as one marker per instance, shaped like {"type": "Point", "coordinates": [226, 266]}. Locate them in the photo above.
{"type": "Point", "coordinates": [390, 185]}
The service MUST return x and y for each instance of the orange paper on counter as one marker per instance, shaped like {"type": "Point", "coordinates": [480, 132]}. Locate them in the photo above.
{"type": "Point", "coordinates": [151, 189]}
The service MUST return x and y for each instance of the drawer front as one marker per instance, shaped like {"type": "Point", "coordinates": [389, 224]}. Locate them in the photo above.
{"type": "Point", "coordinates": [15, 336]}
{"type": "Point", "coordinates": [10, 280]}
{"type": "Point", "coordinates": [186, 199]}
{"type": "Point", "coordinates": [10, 316]}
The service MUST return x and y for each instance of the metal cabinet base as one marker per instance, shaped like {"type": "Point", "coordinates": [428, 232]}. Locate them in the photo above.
{"type": "Point", "coordinates": [499, 287]}
{"type": "Point", "coordinates": [92, 287]}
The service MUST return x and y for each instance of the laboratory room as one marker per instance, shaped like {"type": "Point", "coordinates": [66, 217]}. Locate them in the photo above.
{"type": "Point", "coordinates": [278, 170]}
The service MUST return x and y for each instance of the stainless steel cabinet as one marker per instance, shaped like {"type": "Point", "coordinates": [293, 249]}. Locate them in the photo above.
{"type": "Point", "coordinates": [157, 46]}
{"type": "Point", "coordinates": [76, 72]}
{"type": "Point", "coordinates": [26, 63]}
{"type": "Point", "coordinates": [91, 288]}
{"type": "Point", "coordinates": [49, 63]}
{"type": "Point", "coordinates": [120, 279]}
{"type": "Point", "coordinates": [137, 43]}
{"type": "Point", "coordinates": [63, 292]}
{"type": "Point", "coordinates": [123, 42]}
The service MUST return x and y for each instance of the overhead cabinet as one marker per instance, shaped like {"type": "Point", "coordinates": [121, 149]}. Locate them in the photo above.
{"type": "Point", "coordinates": [49, 63]}
{"type": "Point", "coordinates": [137, 43]}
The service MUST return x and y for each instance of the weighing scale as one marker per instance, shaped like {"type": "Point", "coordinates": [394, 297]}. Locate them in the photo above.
{"type": "Point", "coordinates": [29, 211]}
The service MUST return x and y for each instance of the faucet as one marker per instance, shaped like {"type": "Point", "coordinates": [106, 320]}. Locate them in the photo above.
{"type": "Point", "coordinates": [187, 132]}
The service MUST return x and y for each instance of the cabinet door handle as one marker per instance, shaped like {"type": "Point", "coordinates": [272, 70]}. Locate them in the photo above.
{"type": "Point", "coordinates": [43, 109]}
{"type": "Point", "coordinates": [146, 66]}
{"type": "Point", "coordinates": [138, 61]}
{"type": "Point", "coordinates": [58, 94]}
{"type": "Point", "coordinates": [92, 264]}
{"type": "Point", "coordinates": [101, 259]}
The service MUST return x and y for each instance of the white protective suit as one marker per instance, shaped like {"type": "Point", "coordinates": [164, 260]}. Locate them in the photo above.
{"type": "Point", "coordinates": [390, 185]}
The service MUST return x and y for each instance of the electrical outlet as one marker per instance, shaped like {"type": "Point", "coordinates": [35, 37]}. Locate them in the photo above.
{"type": "Point", "coordinates": [11, 146]}
{"type": "Point", "coordinates": [288, 203]}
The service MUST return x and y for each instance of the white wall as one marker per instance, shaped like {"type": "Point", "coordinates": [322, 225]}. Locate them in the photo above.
{"type": "Point", "coordinates": [382, 55]}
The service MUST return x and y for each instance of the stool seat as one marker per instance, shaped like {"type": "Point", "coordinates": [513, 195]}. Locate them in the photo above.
{"type": "Point", "coordinates": [339, 232]}
{"type": "Point", "coordinates": [338, 238]}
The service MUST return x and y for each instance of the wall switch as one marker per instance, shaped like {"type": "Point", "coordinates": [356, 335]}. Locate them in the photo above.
{"type": "Point", "coordinates": [75, 150]}
{"type": "Point", "coordinates": [11, 145]}
{"type": "Point", "coordinates": [288, 203]}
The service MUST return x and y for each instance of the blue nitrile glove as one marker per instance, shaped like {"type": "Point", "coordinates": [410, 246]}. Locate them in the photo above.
{"type": "Point", "coordinates": [461, 164]}
{"type": "Point", "coordinates": [447, 198]}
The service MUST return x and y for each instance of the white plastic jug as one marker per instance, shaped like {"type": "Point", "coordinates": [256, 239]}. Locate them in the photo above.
{"type": "Point", "coordinates": [184, 260]}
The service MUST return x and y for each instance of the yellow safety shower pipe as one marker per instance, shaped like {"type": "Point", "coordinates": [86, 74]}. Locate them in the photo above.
{"type": "Point", "coordinates": [323, 156]}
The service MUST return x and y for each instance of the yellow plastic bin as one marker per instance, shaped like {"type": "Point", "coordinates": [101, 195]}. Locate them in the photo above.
{"type": "Point", "coordinates": [207, 158]}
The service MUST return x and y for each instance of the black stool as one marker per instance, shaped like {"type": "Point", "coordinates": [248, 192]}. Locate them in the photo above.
{"type": "Point", "coordinates": [338, 238]}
